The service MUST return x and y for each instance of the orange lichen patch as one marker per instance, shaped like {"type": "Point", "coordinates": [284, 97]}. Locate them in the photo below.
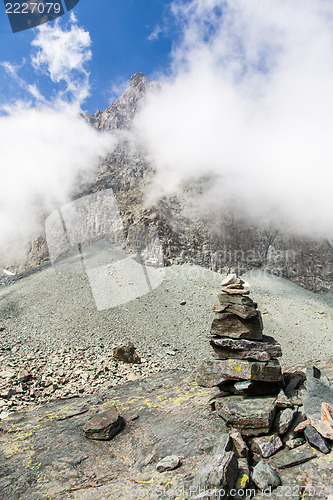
{"type": "Point", "coordinates": [327, 412]}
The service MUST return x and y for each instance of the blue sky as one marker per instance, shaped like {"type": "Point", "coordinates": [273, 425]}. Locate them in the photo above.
{"type": "Point", "coordinates": [123, 43]}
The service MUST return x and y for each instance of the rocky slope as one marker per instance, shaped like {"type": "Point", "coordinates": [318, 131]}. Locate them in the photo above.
{"type": "Point", "coordinates": [222, 242]}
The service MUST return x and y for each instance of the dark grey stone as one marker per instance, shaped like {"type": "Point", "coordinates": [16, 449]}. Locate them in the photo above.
{"type": "Point", "coordinates": [252, 416]}
{"type": "Point", "coordinates": [232, 326]}
{"type": "Point", "coordinates": [319, 390]}
{"type": "Point", "coordinates": [293, 457]}
{"type": "Point", "coordinates": [241, 348]}
{"type": "Point", "coordinates": [316, 440]}
{"type": "Point", "coordinates": [264, 476]}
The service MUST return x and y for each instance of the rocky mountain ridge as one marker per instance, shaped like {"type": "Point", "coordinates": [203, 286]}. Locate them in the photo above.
{"type": "Point", "coordinates": [224, 242]}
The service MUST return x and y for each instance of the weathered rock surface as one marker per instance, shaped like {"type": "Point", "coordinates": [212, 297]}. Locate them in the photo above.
{"type": "Point", "coordinates": [105, 425]}
{"type": "Point", "coordinates": [319, 390]}
{"type": "Point", "coordinates": [232, 326]}
{"type": "Point", "coordinates": [264, 476]}
{"type": "Point", "coordinates": [219, 471]}
{"type": "Point", "coordinates": [225, 348]}
{"type": "Point", "coordinates": [252, 416]}
{"type": "Point", "coordinates": [315, 439]}
{"type": "Point", "coordinates": [215, 372]}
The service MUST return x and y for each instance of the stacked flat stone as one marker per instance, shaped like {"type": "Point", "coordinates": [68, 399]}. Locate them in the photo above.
{"type": "Point", "coordinates": [245, 361]}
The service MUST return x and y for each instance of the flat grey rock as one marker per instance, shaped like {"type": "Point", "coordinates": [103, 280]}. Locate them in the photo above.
{"type": "Point", "coordinates": [316, 440]}
{"type": "Point", "coordinates": [219, 470]}
{"type": "Point", "coordinates": [216, 372]}
{"type": "Point", "coordinates": [319, 390]}
{"type": "Point", "coordinates": [264, 476]}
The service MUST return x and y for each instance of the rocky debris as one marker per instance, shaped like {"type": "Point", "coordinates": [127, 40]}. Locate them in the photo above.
{"type": "Point", "coordinates": [266, 446]}
{"type": "Point", "coordinates": [264, 476]}
{"type": "Point", "coordinates": [104, 426]}
{"type": "Point", "coordinates": [126, 353]}
{"type": "Point", "coordinates": [170, 462]}
{"type": "Point", "coordinates": [38, 378]}
{"type": "Point", "coordinates": [319, 389]}
{"type": "Point", "coordinates": [293, 457]}
{"type": "Point", "coordinates": [316, 440]}
{"type": "Point", "coordinates": [282, 401]}
{"type": "Point", "coordinates": [219, 470]}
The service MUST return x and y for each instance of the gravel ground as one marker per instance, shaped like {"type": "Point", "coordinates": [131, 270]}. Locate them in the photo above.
{"type": "Point", "coordinates": [50, 322]}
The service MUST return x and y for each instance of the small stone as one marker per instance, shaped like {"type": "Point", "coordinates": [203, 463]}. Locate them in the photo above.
{"type": "Point", "coordinates": [219, 469]}
{"type": "Point", "coordinates": [183, 303]}
{"type": "Point", "coordinates": [319, 390]}
{"type": "Point", "coordinates": [232, 326]}
{"type": "Point", "coordinates": [294, 443]}
{"type": "Point", "coordinates": [104, 426]}
{"type": "Point", "coordinates": [226, 348]}
{"type": "Point", "coordinates": [264, 476]}
{"type": "Point", "coordinates": [239, 446]}
{"type": "Point", "coordinates": [252, 416]}
{"type": "Point", "coordinates": [282, 401]}
{"type": "Point", "coordinates": [126, 353]}
{"type": "Point", "coordinates": [170, 462]}
{"type": "Point", "coordinates": [316, 440]}
{"type": "Point", "coordinates": [284, 420]}
{"type": "Point", "coordinates": [23, 375]}
{"type": "Point", "coordinates": [237, 304]}
{"type": "Point", "coordinates": [324, 427]}
{"type": "Point", "coordinates": [293, 457]}
{"type": "Point", "coordinates": [266, 445]}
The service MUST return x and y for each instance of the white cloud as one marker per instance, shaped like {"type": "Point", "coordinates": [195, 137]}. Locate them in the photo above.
{"type": "Point", "coordinates": [249, 101]}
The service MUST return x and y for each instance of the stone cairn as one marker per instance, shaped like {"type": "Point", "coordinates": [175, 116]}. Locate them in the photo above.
{"type": "Point", "coordinates": [262, 409]}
